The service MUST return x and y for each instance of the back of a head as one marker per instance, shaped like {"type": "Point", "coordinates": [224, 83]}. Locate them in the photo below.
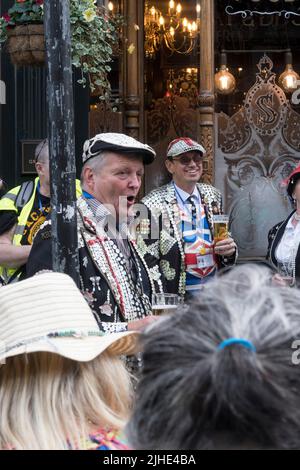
{"type": "Point", "coordinates": [41, 154]}
{"type": "Point", "coordinates": [197, 392]}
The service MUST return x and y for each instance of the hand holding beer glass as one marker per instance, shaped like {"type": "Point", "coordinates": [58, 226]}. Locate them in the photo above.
{"type": "Point", "coordinates": [224, 245]}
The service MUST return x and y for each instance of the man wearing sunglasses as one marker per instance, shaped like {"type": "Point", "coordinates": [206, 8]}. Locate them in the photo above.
{"type": "Point", "coordinates": [182, 213]}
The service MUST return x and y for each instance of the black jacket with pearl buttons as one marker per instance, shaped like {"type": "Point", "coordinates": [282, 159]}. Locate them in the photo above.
{"type": "Point", "coordinates": [274, 237]}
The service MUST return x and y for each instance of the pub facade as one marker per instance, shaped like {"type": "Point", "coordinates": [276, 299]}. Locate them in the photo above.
{"type": "Point", "coordinates": [223, 72]}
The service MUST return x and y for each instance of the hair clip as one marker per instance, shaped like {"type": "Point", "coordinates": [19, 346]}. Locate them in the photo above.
{"type": "Point", "coordinates": [243, 342]}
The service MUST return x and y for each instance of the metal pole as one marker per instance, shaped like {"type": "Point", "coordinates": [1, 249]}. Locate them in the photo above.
{"type": "Point", "coordinates": [61, 138]}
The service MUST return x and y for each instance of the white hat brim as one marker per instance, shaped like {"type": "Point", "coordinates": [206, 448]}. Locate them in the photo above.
{"type": "Point", "coordinates": [81, 349]}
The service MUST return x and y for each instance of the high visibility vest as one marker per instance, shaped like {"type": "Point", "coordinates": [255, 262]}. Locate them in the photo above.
{"type": "Point", "coordinates": [20, 200]}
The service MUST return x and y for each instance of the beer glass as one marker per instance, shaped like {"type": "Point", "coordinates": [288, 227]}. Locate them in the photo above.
{"type": "Point", "coordinates": [164, 303]}
{"type": "Point", "coordinates": [286, 271]}
{"type": "Point", "coordinates": [220, 224]}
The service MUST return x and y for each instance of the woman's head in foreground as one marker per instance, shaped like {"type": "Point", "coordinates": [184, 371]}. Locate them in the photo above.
{"type": "Point", "coordinates": [220, 374]}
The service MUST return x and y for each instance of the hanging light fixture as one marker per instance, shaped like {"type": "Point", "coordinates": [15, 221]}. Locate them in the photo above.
{"type": "Point", "coordinates": [171, 29]}
{"type": "Point", "coordinates": [288, 79]}
{"type": "Point", "coordinates": [224, 80]}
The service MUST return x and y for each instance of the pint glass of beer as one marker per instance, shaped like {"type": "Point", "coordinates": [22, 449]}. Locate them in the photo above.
{"type": "Point", "coordinates": [164, 303]}
{"type": "Point", "coordinates": [220, 223]}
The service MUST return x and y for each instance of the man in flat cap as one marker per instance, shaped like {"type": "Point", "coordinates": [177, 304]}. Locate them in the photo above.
{"type": "Point", "coordinates": [114, 278]}
{"type": "Point", "coordinates": [182, 212]}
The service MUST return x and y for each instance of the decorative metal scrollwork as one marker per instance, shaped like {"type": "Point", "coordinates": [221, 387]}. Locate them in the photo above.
{"type": "Point", "coordinates": [245, 13]}
{"type": "Point", "coordinates": [260, 145]}
{"type": "Point", "coordinates": [171, 114]}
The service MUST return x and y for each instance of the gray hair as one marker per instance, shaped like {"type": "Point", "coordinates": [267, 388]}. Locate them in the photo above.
{"type": "Point", "coordinates": [95, 163]}
{"type": "Point", "coordinates": [192, 393]}
{"type": "Point", "coordinates": [41, 153]}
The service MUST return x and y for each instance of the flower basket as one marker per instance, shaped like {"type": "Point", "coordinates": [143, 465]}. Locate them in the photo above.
{"type": "Point", "coordinates": [95, 33]}
{"type": "Point", "coordinates": [26, 44]}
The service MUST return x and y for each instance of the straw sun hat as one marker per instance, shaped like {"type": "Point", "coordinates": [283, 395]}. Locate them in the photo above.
{"type": "Point", "coordinates": [48, 313]}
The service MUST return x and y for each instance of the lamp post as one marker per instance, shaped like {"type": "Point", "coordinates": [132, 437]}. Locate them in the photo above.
{"type": "Point", "coordinates": [2, 92]}
{"type": "Point", "coordinates": [61, 137]}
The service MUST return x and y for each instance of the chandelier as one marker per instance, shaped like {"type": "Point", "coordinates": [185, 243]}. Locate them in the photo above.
{"type": "Point", "coordinates": [171, 29]}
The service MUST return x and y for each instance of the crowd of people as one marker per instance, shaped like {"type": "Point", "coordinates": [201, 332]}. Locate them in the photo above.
{"type": "Point", "coordinates": [216, 373]}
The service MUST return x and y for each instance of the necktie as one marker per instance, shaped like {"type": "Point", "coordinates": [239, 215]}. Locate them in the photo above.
{"type": "Point", "coordinates": [192, 206]}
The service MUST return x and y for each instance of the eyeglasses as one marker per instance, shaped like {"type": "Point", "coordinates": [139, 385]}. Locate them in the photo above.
{"type": "Point", "coordinates": [186, 160]}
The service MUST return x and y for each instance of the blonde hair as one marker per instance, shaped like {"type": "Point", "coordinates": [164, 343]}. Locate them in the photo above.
{"type": "Point", "coordinates": [50, 402]}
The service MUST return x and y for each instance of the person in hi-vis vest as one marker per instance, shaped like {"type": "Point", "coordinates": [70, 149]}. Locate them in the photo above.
{"type": "Point", "coordinates": [22, 211]}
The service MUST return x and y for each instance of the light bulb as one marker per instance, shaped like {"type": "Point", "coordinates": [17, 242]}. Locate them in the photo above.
{"type": "Point", "coordinates": [288, 79]}
{"type": "Point", "coordinates": [224, 81]}
{"type": "Point", "coordinates": [110, 6]}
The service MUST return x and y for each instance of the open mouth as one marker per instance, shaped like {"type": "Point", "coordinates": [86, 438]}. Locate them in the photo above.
{"type": "Point", "coordinates": [131, 199]}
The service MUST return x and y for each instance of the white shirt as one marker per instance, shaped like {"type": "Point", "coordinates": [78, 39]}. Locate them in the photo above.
{"type": "Point", "coordinates": [182, 197]}
{"type": "Point", "coordinates": [288, 246]}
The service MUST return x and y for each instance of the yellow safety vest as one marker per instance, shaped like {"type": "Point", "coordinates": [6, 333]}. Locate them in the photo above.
{"type": "Point", "coordinates": [12, 201]}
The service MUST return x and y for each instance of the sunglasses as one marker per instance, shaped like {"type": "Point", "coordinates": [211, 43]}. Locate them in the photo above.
{"type": "Point", "coordinates": [186, 160]}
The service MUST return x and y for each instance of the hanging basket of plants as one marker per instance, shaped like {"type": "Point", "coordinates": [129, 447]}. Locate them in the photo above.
{"type": "Point", "coordinates": [95, 36]}
{"type": "Point", "coordinates": [26, 44]}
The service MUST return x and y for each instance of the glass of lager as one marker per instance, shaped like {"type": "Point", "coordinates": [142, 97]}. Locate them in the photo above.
{"type": "Point", "coordinates": [164, 303]}
{"type": "Point", "coordinates": [220, 223]}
